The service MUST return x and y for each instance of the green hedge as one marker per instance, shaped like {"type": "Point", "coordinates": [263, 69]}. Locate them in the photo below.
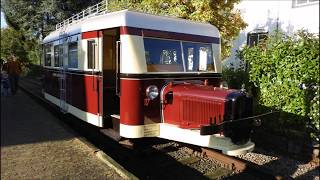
{"type": "Point", "coordinates": [276, 68]}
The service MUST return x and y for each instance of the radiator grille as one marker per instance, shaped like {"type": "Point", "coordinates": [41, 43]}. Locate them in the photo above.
{"type": "Point", "coordinates": [195, 112]}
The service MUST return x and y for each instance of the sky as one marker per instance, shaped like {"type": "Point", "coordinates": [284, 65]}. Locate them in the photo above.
{"type": "Point", "coordinates": [3, 21]}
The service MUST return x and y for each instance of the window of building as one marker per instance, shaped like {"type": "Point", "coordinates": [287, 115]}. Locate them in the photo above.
{"type": "Point", "coordinates": [47, 55]}
{"type": "Point", "coordinates": [58, 56]}
{"type": "Point", "coordinates": [253, 38]}
{"type": "Point", "coordinates": [91, 54]}
{"type": "Point", "coordinates": [300, 3]}
{"type": "Point", "coordinates": [73, 55]}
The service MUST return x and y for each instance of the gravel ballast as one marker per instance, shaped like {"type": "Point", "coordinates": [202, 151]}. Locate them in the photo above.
{"type": "Point", "coordinates": [283, 165]}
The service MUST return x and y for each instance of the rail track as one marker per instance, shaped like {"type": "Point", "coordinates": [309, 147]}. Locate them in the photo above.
{"type": "Point", "coordinates": [153, 158]}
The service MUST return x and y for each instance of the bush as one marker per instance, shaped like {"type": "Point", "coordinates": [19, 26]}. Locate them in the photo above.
{"type": "Point", "coordinates": [277, 67]}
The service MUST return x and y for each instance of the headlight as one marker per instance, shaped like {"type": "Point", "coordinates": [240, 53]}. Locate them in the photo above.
{"type": "Point", "coordinates": [224, 84]}
{"type": "Point", "coordinates": [152, 92]}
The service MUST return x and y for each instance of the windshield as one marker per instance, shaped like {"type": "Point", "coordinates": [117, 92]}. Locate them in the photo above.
{"type": "Point", "coordinates": [177, 56]}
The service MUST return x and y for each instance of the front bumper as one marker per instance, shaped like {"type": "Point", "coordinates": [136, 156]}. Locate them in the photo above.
{"type": "Point", "coordinates": [215, 141]}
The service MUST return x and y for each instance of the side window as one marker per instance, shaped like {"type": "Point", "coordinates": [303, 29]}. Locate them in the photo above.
{"type": "Point", "coordinates": [47, 55]}
{"type": "Point", "coordinates": [256, 37]}
{"type": "Point", "coordinates": [73, 55]}
{"type": "Point", "coordinates": [58, 56]}
{"type": "Point", "coordinates": [91, 54]}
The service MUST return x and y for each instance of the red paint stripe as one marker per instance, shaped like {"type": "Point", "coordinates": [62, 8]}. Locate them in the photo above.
{"type": "Point", "coordinates": [130, 31]}
{"type": "Point", "coordinates": [91, 34]}
{"type": "Point", "coordinates": [167, 35]}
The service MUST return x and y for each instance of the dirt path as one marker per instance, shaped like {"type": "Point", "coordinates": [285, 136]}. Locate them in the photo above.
{"type": "Point", "coordinates": [34, 145]}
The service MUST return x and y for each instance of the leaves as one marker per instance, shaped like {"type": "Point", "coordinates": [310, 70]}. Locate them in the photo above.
{"type": "Point", "coordinates": [36, 18]}
{"type": "Point", "coordinates": [278, 68]}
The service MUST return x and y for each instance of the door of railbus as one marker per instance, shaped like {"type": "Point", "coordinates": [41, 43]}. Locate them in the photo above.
{"type": "Point", "coordinates": [111, 102]}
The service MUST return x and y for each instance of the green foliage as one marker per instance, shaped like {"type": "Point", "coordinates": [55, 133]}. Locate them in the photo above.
{"type": "Point", "coordinates": [236, 78]}
{"type": "Point", "coordinates": [38, 17]}
{"type": "Point", "coordinates": [14, 42]}
{"type": "Point", "coordinates": [277, 67]}
{"type": "Point", "coordinates": [220, 13]}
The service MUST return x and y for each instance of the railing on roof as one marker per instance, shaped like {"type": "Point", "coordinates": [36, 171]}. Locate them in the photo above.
{"type": "Point", "coordinates": [94, 10]}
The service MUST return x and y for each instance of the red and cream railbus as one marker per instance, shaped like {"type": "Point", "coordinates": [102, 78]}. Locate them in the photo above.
{"type": "Point", "coordinates": [140, 75]}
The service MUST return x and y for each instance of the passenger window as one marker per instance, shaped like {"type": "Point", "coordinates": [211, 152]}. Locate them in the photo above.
{"type": "Point", "coordinates": [91, 54]}
{"type": "Point", "coordinates": [73, 55]}
{"type": "Point", "coordinates": [58, 56]}
{"type": "Point", "coordinates": [47, 55]}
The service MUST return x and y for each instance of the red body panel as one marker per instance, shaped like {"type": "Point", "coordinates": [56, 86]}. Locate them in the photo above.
{"type": "Point", "coordinates": [91, 34]}
{"type": "Point", "coordinates": [135, 108]}
{"type": "Point", "coordinates": [194, 105]}
{"type": "Point", "coordinates": [167, 35]}
{"type": "Point", "coordinates": [83, 90]}
{"type": "Point", "coordinates": [131, 102]}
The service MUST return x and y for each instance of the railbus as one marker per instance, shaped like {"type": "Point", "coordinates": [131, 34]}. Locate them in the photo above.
{"type": "Point", "coordinates": [137, 75]}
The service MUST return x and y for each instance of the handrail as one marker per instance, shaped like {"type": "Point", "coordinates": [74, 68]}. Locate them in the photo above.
{"type": "Point", "coordinates": [94, 10]}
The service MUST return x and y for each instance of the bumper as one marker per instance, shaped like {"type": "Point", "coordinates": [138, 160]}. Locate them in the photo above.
{"type": "Point", "coordinates": [214, 141]}
{"type": "Point", "coordinates": [172, 132]}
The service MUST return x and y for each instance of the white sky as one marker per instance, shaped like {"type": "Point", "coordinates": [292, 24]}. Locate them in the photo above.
{"type": "Point", "coordinates": [3, 21]}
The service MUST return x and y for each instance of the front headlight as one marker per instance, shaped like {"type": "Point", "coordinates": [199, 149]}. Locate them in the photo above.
{"type": "Point", "coordinates": [224, 84]}
{"type": "Point", "coordinates": [152, 92]}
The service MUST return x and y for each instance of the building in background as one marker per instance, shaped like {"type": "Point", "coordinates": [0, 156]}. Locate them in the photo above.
{"type": "Point", "coordinates": [265, 16]}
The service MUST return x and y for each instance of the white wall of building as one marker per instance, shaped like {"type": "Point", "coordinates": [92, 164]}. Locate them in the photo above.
{"type": "Point", "coordinates": [286, 15]}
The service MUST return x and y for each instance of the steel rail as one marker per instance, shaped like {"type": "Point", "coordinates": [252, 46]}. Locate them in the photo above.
{"type": "Point", "coordinates": [239, 165]}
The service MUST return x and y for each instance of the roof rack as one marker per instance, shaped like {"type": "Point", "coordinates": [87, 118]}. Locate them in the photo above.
{"type": "Point", "coordinates": [100, 8]}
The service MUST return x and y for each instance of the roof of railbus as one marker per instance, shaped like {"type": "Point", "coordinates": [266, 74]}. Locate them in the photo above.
{"type": "Point", "coordinates": [137, 20]}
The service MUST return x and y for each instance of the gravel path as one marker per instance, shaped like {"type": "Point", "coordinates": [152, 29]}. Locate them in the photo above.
{"type": "Point", "coordinates": [34, 145]}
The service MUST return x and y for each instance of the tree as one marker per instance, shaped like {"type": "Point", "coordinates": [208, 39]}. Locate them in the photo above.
{"type": "Point", "coordinates": [14, 42]}
{"type": "Point", "coordinates": [220, 13]}
{"type": "Point", "coordinates": [11, 43]}
{"type": "Point", "coordinates": [38, 17]}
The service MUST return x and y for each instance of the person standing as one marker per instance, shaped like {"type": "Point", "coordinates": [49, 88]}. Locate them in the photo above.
{"type": "Point", "coordinates": [14, 70]}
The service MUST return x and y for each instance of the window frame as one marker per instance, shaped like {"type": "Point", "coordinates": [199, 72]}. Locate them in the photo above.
{"type": "Point", "coordinates": [91, 57]}
{"type": "Point", "coordinates": [58, 55]}
{"type": "Point", "coordinates": [258, 34]}
{"type": "Point", "coordinates": [296, 4]}
{"type": "Point", "coordinates": [182, 55]}
{"type": "Point", "coordinates": [186, 63]}
{"type": "Point", "coordinates": [76, 52]}
{"type": "Point", "coordinates": [46, 53]}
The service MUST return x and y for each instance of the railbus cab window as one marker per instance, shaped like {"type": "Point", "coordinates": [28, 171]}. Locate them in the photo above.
{"type": "Point", "coordinates": [73, 55]}
{"type": "Point", "coordinates": [47, 55]}
{"type": "Point", "coordinates": [58, 55]}
{"type": "Point", "coordinates": [198, 56]}
{"type": "Point", "coordinates": [91, 54]}
{"type": "Point", "coordinates": [163, 55]}
{"type": "Point", "coordinates": [178, 56]}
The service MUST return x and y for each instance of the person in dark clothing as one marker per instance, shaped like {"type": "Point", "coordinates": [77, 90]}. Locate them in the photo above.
{"type": "Point", "coordinates": [13, 68]}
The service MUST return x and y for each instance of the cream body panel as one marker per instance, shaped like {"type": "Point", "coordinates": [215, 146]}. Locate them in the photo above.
{"type": "Point", "coordinates": [98, 52]}
{"type": "Point", "coordinates": [85, 116]}
{"type": "Point", "coordinates": [216, 48]}
{"type": "Point", "coordinates": [132, 55]}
